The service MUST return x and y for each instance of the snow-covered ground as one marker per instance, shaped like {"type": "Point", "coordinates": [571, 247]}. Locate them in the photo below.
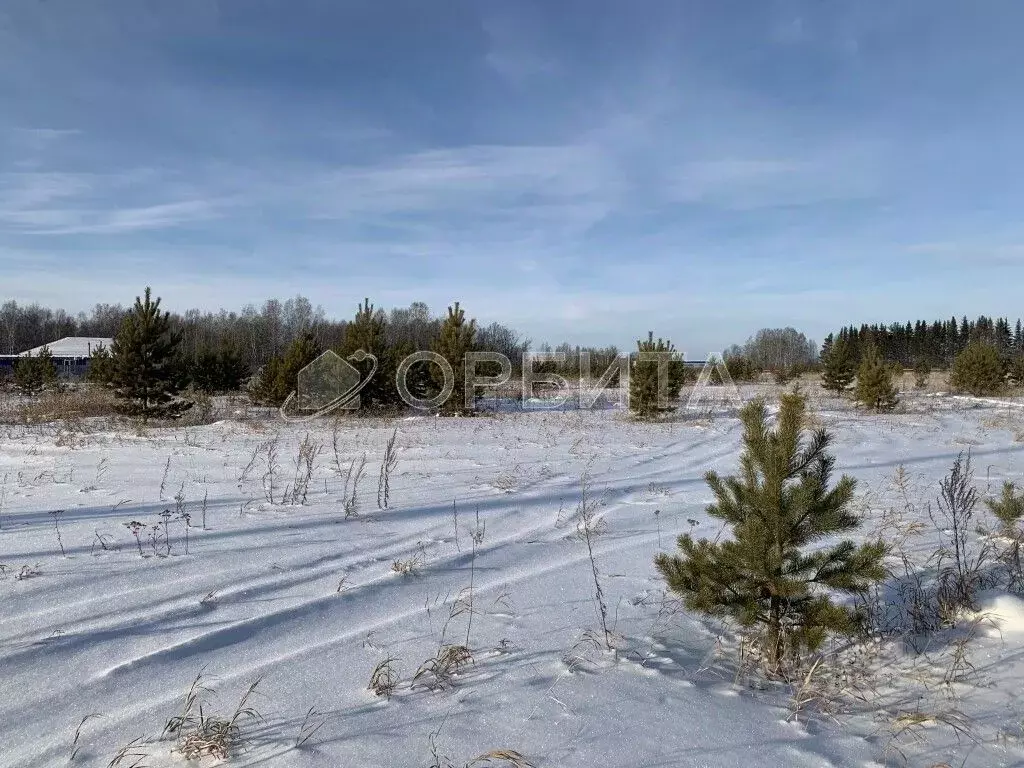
{"type": "Point", "coordinates": [308, 601]}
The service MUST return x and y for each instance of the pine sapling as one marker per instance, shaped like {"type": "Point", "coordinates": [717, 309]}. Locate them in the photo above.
{"type": "Point", "coordinates": [838, 366]}
{"type": "Point", "coordinates": [1009, 510]}
{"type": "Point", "coordinates": [874, 382]}
{"type": "Point", "coordinates": [765, 577]}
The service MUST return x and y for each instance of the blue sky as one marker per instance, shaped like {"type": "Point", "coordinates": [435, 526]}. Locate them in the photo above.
{"type": "Point", "coordinates": [582, 170]}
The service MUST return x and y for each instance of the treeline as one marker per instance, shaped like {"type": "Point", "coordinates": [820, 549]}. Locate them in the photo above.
{"type": "Point", "coordinates": [783, 352]}
{"type": "Point", "coordinates": [257, 333]}
{"type": "Point", "coordinates": [936, 343]}
{"type": "Point", "coordinates": [218, 351]}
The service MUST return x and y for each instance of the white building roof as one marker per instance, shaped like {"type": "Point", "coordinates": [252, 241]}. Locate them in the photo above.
{"type": "Point", "coordinates": [71, 346]}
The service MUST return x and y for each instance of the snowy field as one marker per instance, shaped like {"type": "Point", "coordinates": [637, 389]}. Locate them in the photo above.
{"type": "Point", "coordinates": [261, 584]}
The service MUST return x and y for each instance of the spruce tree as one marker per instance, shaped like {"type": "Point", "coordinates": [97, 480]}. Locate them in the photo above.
{"type": "Point", "coordinates": [977, 370]}
{"type": "Point", "coordinates": [643, 377]}
{"type": "Point", "coordinates": [874, 382]}
{"type": "Point", "coordinates": [455, 339]}
{"type": "Point", "coordinates": [765, 576]}
{"type": "Point", "coordinates": [367, 332]}
{"type": "Point", "coordinates": [837, 366]}
{"type": "Point", "coordinates": [34, 374]}
{"type": "Point", "coordinates": [147, 373]}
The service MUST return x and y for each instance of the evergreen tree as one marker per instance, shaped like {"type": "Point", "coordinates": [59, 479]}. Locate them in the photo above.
{"type": "Point", "coordinates": [644, 374]}
{"type": "Point", "coordinates": [219, 370]}
{"type": "Point", "coordinates": [270, 387]}
{"type": "Point", "coordinates": [232, 369]}
{"type": "Point", "coordinates": [101, 367]}
{"type": "Point", "coordinates": [34, 374]}
{"type": "Point", "coordinates": [418, 380]}
{"type": "Point", "coordinates": [367, 332]}
{"type": "Point", "coordinates": [456, 338]}
{"type": "Point", "coordinates": [837, 366]}
{"type": "Point", "coordinates": [740, 367]}
{"type": "Point", "coordinates": [977, 370]}
{"type": "Point", "coordinates": [1015, 370]}
{"type": "Point", "coordinates": [826, 346]}
{"type": "Point", "coordinates": [1009, 510]}
{"type": "Point", "coordinates": [781, 503]}
{"type": "Point", "coordinates": [280, 376]}
{"type": "Point", "coordinates": [147, 372]}
{"type": "Point", "coordinates": [874, 382]}
{"type": "Point", "coordinates": [921, 372]}
{"type": "Point", "coordinates": [205, 371]}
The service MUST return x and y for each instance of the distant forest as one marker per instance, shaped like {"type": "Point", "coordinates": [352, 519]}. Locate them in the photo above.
{"type": "Point", "coordinates": [259, 334]}
{"type": "Point", "coordinates": [936, 342]}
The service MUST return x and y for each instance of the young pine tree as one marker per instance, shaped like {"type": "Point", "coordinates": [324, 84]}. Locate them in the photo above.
{"type": "Point", "coordinates": [1015, 370]}
{"type": "Point", "coordinates": [874, 382]}
{"type": "Point", "coordinates": [1009, 510]}
{"type": "Point", "coordinates": [837, 366]}
{"type": "Point", "coordinates": [765, 576]}
{"type": "Point", "coordinates": [231, 368]}
{"type": "Point", "coordinates": [205, 371]}
{"type": "Point", "coordinates": [922, 370]}
{"type": "Point", "coordinates": [644, 401]}
{"type": "Point", "coordinates": [147, 373]}
{"type": "Point", "coordinates": [367, 332]}
{"type": "Point", "coordinates": [101, 367]}
{"type": "Point", "coordinates": [280, 376]}
{"type": "Point", "coordinates": [740, 367]}
{"type": "Point", "coordinates": [455, 339]}
{"type": "Point", "coordinates": [34, 374]}
{"type": "Point", "coordinates": [269, 387]}
{"type": "Point", "coordinates": [220, 370]}
{"type": "Point", "coordinates": [418, 379]}
{"type": "Point", "coordinates": [977, 370]}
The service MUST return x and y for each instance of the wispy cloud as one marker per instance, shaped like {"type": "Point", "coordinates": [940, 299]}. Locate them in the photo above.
{"type": "Point", "coordinates": [577, 171]}
{"type": "Point", "coordinates": [54, 203]}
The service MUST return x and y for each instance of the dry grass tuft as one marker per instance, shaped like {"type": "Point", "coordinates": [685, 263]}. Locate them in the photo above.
{"type": "Point", "coordinates": [501, 757]}
{"type": "Point", "coordinates": [438, 673]}
{"type": "Point", "coordinates": [68, 405]}
{"type": "Point", "coordinates": [910, 726]}
{"type": "Point", "coordinates": [130, 755]}
{"type": "Point", "coordinates": [78, 735]}
{"type": "Point", "coordinates": [25, 572]}
{"type": "Point", "coordinates": [200, 735]}
{"type": "Point", "coordinates": [409, 566]}
{"type": "Point", "coordinates": [311, 723]}
{"type": "Point", "coordinates": [385, 678]}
